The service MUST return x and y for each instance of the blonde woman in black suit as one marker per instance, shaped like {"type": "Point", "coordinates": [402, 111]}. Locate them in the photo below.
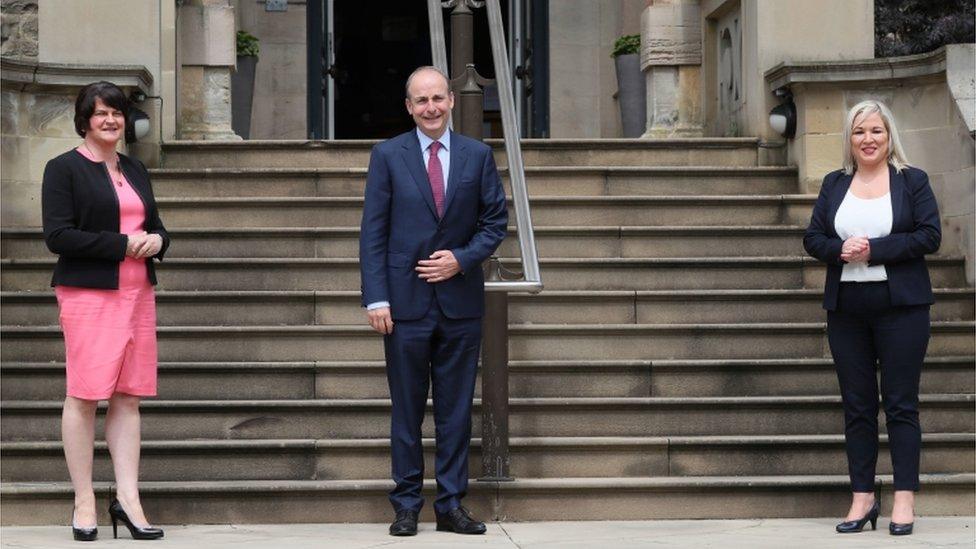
{"type": "Point", "coordinates": [873, 224]}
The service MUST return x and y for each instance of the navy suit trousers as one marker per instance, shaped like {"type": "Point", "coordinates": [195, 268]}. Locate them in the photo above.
{"type": "Point", "coordinates": [439, 353]}
{"type": "Point", "coordinates": [866, 334]}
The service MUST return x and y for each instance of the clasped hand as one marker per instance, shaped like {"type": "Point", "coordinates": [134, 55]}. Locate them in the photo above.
{"type": "Point", "coordinates": [441, 266]}
{"type": "Point", "coordinates": [141, 245]}
{"type": "Point", "coordinates": [856, 249]}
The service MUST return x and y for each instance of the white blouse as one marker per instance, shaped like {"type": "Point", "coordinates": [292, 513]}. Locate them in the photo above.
{"type": "Point", "coordinates": [870, 217]}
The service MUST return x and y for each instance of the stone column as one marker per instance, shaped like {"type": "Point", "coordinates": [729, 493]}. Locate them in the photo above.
{"type": "Point", "coordinates": [208, 54]}
{"type": "Point", "coordinates": [671, 57]}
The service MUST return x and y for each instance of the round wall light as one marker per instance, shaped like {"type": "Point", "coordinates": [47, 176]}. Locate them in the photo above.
{"type": "Point", "coordinates": [783, 118]}
{"type": "Point", "coordinates": [137, 126]}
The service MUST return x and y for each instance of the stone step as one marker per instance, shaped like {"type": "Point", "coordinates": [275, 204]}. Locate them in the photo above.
{"type": "Point", "coordinates": [528, 417]}
{"type": "Point", "coordinates": [339, 274]}
{"type": "Point", "coordinates": [721, 151]}
{"type": "Point", "coordinates": [526, 342]}
{"type": "Point", "coordinates": [281, 501]}
{"type": "Point", "coordinates": [546, 457]}
{"type": "Point", "coordinates": [527, 378]}
{"type": "Point", "coordinates": [540, 181]}
{"type": "Point", "coordinates": [298, 307]}
{"type": "Point", "coordinates": [299, 242]}
{"type": "Point", "coordinates": [330, 211]}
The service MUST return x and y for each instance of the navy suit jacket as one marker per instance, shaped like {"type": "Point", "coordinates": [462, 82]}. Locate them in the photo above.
{"type": "Point", "coordinates": [400, 227]}
{"type": "Point", "coordinates": [915, 231]}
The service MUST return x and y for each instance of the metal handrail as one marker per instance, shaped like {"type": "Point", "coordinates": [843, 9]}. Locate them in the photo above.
{"type": "Point", "coordinates": [438, 43]}
{"type": "Point", "coordinates": [531, 278]}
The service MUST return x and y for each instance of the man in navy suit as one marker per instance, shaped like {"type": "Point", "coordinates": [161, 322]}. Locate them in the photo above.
{"type": "Point", "coordinates": [434, 211]}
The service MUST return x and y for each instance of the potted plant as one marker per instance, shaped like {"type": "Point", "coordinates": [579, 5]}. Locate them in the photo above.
{"type": "Point", "coordinates": [631, 87]}
{"type": "Point", "coordinates": [242, 83]}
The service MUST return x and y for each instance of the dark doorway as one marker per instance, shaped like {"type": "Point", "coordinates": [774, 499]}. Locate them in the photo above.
{"type": "Point", "coordinates": [361, 52]}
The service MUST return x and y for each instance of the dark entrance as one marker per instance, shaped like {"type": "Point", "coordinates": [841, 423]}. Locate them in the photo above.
{"type": "Point", "coordinates": [361, 52]}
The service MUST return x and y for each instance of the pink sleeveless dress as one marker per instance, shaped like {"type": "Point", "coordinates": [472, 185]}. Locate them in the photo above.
{"type": "Point", "coordinates": [110, 335]}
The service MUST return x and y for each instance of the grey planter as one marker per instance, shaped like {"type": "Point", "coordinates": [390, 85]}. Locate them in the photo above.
{"type": "Point", "coordinates": [242, 95]}
{"type": "Point", "coordinates": [631, 94]}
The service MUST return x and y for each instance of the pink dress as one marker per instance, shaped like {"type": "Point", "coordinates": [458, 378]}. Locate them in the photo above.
{"type": "Point", "coordinates": [110, 335]}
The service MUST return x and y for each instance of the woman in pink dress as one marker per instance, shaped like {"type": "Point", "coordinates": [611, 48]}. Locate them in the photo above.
{"type": "Point", "coordinates": [101, 219]}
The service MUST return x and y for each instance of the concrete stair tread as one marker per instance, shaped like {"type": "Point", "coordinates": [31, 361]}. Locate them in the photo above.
{"type": "Point", "coordinates": [526, 143]}
{"type": "Point", "coordinates": [351, 365]}
{"type": "Point", "coordinates": [573, 498]}
{"type": "Point", "coordinates": [940, 325]}
{"type": "Point", "coordinates": [717, 169]}
{"type": "Point", "coordinates": [357, 341]}
{"type": "Point", "coordinates": [355, 153]}
{"type": "Point", "coordinates": [543, 402]}
{"type": "Point", "coordinates": [561, 294]}
{"type": "Point", "coordinates": [556, 200]}
{"type": "Point", "coordinates": [569, 261]}
{"type": "Point", "coordinates": [675, 483]}
{"type": "Point", "coordinates": [635, 230]}
{"type": "Point", "coordinates": [937, 326]}
{"type": "Point", "coordinates": [579, 441]}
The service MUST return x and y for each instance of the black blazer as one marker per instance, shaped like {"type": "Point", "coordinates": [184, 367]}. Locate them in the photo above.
{"type": "Point", "coordinates": [81, 219]}
{"type": "Point", "coordinates": [915, 231]}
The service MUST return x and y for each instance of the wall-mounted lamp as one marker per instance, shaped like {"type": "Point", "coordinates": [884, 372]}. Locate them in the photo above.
{"type": "Point", "coordinates": [783, 116]}
{"type": "Point", "coordinates": [137, 126]}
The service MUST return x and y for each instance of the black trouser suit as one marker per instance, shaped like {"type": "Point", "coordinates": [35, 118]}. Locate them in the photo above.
{"type": "Point", "coordinates": [884, 325]}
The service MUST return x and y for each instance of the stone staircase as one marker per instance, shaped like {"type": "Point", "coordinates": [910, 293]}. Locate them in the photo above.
{"type": "Point", "coordinates": [676, 365]}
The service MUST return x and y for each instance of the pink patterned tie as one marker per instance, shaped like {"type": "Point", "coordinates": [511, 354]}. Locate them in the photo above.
{"type": "Point", "coordinates": [436, 176]}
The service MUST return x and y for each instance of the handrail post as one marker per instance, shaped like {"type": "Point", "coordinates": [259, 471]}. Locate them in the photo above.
{"type": "Point", "coordinates": [462, 37]}
{"type": "Point", "coordinates": [462, 55]}
{"type": "Point", "coordinates": [471, 102]}
{"type": "Point", "coordinates": [494, 381]}
{"type": "Point", "coordinates": [464, 78]}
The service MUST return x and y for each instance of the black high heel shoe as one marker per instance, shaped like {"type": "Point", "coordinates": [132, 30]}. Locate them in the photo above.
{"type": "Point", "coordinates": [853, 526]}
{"type": "Point", "coordinates": [83, 534]}
{"type": "Point", "coordinates": [117, 513]}
{"type": "Point", "coordinates": [896, 529]}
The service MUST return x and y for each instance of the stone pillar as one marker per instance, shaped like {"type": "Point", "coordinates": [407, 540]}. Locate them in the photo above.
{"type": "Point", "coordinates": [671, 57]}
{"type": "Point", "coordinates": [208, 54]}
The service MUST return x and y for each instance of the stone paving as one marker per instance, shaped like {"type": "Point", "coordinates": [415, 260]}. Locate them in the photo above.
{"type": "Point", "coordinates": [931, 532]}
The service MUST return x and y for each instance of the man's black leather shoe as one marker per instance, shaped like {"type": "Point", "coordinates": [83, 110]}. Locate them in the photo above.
{"type": "Point", "coordinates": [405, 523]}
{"type": "Point", "coordinates": [458, 520]}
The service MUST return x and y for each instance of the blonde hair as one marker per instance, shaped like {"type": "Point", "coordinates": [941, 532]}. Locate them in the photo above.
{"type": "Point", "coordinates": [896, 155]}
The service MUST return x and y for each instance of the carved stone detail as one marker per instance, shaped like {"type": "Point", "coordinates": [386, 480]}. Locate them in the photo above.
{"type": "Point", "coordinates": [18, 29]}
{"type": "Point", "coordinates": [52, 115]}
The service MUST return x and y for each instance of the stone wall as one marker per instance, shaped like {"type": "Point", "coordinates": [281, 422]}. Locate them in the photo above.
{"type": "Point", "coordinates": [36, 127]}
{"type": "Point", "coordinates": [37, 124]}
{"type": "Point", "coordinates": [142, 33]}
{"type": "Point", "coordinates": [18, 29]}
{"type": "Point", "coordinates": [279, 108]}
{"type": "Point", "coordinates": [582, 77]}
{"type": "Point", "coordinates": [933, 128]}
{"type": "Point", "coordinates": [773, 32]}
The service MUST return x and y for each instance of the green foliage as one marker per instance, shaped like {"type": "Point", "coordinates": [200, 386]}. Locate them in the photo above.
{"type": "Point", "coordinates": [906, 27]}
{"type": "Point", "coordinates": [626, 44]}
{"type": "Point", "coordinates": [247, 44]}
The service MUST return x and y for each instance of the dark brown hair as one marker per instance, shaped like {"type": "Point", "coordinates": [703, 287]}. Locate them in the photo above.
{"type": "Point", "coordinates": [109, 93]}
